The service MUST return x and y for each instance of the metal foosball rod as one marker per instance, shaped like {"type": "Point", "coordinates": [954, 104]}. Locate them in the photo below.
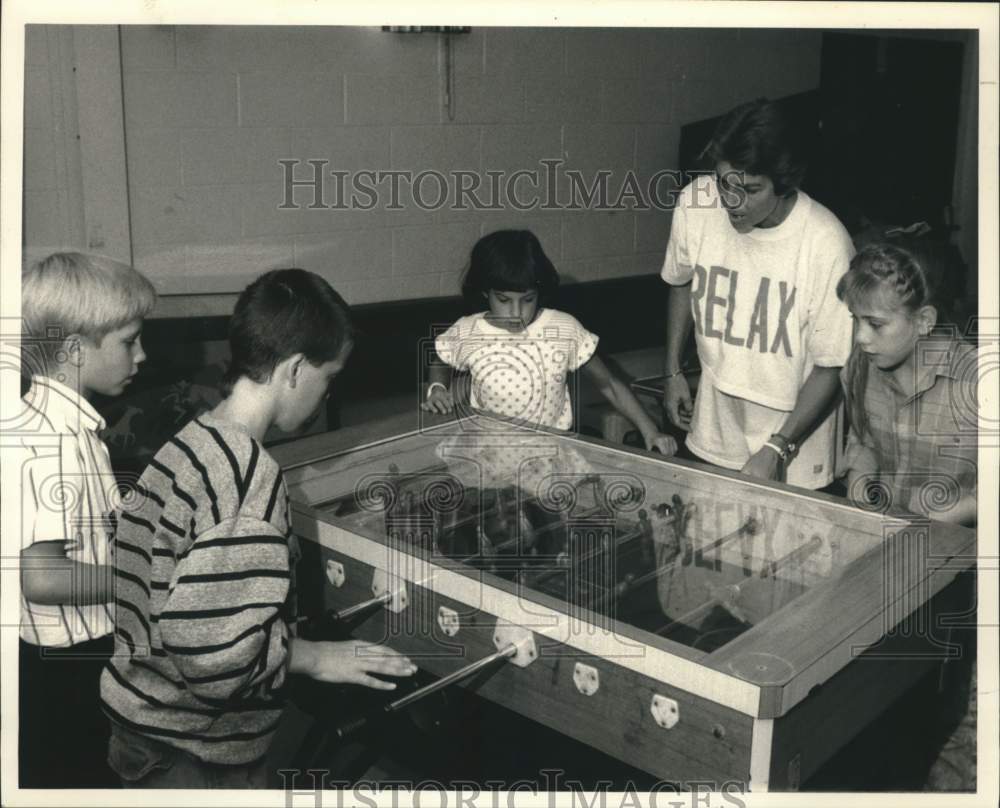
{"type": "Point", "coordinates": [749, 527]}
{"type": "Point", "coordinates": [797, 555]}
{"type": "Point", "coordinates": [507, 544]}
{"type": "Point", "coordinates": [726, 596]}
{"type": "Point", "coordinates": [599, 600]}
{"type": "Point", "coordinates": [364, 608]}
{"type": "Point", "coordinates": [348, 728]}
{"type": "Point", "coordinates": [590, 555]}
{"type": "Point", "coordinates": [455, 676]}
{"type": "Point", "coordinates": [537, 534]}
{"type": "Point", "coordinates": [542, 577]}
{"type": "Point", "coordinates": [370, 605]}
{"type": "Point", "coordinates": [497, 548]}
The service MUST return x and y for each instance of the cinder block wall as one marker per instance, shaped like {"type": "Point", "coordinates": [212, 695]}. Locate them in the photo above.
{"type": "Point", "coordinates": [52, 203]}
{"type": "Point", "coordinates": [210, 111]}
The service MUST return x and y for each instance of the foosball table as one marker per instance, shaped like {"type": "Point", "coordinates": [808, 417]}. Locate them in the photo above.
{"type": "Point", "coordinates": [691, 622]}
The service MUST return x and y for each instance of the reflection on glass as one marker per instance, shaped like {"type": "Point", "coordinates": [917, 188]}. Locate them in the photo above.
{"type": "Point", "coordinates": [690, 556]}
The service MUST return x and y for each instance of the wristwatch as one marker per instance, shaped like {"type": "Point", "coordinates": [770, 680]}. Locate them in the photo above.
{"type": "Point", "coordinates": [782, 445]}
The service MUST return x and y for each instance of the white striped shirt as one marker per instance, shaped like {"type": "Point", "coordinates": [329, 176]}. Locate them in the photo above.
{"type": "Point", "coordinates": [68, 491]}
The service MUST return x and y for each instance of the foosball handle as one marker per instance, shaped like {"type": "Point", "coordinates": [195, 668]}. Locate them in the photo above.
{"type": "Point", "coordinates": [359, 610]}
{"type": "Point", "coordinates": [347, 728]}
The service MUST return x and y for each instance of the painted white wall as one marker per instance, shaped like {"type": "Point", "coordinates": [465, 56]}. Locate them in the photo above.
{"type": "Point", "coordinates": [53, 180]}
{"type": "Point", "coordinates": [209, 111]}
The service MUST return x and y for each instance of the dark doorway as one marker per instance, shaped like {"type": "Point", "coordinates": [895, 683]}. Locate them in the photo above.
{"type": "Point", "coordinates": [890, 107]}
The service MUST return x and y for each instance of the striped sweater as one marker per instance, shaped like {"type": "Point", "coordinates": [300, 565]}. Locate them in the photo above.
{"type": "Point", "coordinates": [204, 597]}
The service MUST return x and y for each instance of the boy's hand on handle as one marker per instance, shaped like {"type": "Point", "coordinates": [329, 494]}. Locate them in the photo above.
{"type": "Point", "coordinates": [764, 465]}
{"type": "Point", "coordinates": [354, 662]}
{"type": "Point", "coordinates": [677, 401]}
{"type": "Point", "coordinates": [441, 401]}
{"type": "Point", "coordinates": [664, 444]}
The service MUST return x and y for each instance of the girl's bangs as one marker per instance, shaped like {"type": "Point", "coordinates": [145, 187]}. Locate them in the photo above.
{"type": "Point", "coordinates": [506, 278]}
{"type": "Point", "coordinates": [860, 288]}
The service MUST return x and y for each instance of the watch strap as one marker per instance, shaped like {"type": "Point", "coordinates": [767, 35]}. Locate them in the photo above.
{"type": "Point", "coordinates": [780, 451]}
{"type": "Point", "coordinates": [782, 445]}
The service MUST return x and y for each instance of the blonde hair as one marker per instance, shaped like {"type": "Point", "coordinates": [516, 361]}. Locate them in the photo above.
{"type": "Point", "coordinates": [73, 293]}
{"type": "Point", "coordinates": [907, 274]}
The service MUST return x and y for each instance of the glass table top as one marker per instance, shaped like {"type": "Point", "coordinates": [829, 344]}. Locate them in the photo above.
{"type": "Point", "coordinates": [685, 554]}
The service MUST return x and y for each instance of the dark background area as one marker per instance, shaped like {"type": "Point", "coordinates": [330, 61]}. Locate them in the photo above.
{"type": "Point", "coordinates": [880, 132]}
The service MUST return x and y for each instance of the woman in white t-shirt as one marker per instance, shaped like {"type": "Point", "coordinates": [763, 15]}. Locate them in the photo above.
{"type": "Point", "coordinates": [519, 354]}
{"type": "Point", "coordinates": [753, 264]}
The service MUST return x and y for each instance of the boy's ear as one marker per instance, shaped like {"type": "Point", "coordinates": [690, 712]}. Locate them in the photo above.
{"type": "Point", "coordinates": [926, 319]}
{"type": "Point", "coordinates": [71, 351]}
{"type": "Point", "coordinates": [290, 369]}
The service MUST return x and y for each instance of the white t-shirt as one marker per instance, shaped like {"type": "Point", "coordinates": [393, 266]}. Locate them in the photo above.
{"type": "Point", "coordinates": [520, 374]}
{"type": "Point", "coordinates": [765, 313]}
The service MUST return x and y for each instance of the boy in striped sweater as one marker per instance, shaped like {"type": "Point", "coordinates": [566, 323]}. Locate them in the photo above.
{"type": "Point", "coordinates": [205, 564]}
{"type": "Point", "coordinates": [82, 318]}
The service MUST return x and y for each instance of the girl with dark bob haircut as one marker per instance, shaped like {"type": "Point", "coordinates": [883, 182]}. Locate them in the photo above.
{"type": "Point", "coordinates": [512, 260]}
{"type": "Point", "coordinates": [515, 354]}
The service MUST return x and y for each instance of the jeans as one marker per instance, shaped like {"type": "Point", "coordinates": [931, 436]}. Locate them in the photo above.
{"type": "Point", "coordinates": [143, 762]}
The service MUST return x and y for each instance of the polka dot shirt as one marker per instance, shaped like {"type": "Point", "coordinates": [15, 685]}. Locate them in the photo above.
{"type": "Point", "coordinates": [520, 374]}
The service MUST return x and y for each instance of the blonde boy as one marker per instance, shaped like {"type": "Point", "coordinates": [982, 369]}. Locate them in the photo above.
{"type": "Point", "coordinates": [82, 320]}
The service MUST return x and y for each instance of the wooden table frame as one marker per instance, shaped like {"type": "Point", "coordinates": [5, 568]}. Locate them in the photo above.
{"type": "Point", "coordinates": [756, 723]}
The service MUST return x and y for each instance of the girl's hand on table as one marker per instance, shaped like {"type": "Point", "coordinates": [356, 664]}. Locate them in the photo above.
{"type": "Point", "coordinates": [664, 444]}
{"type": "Point", "coordinates": [441, 401]}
